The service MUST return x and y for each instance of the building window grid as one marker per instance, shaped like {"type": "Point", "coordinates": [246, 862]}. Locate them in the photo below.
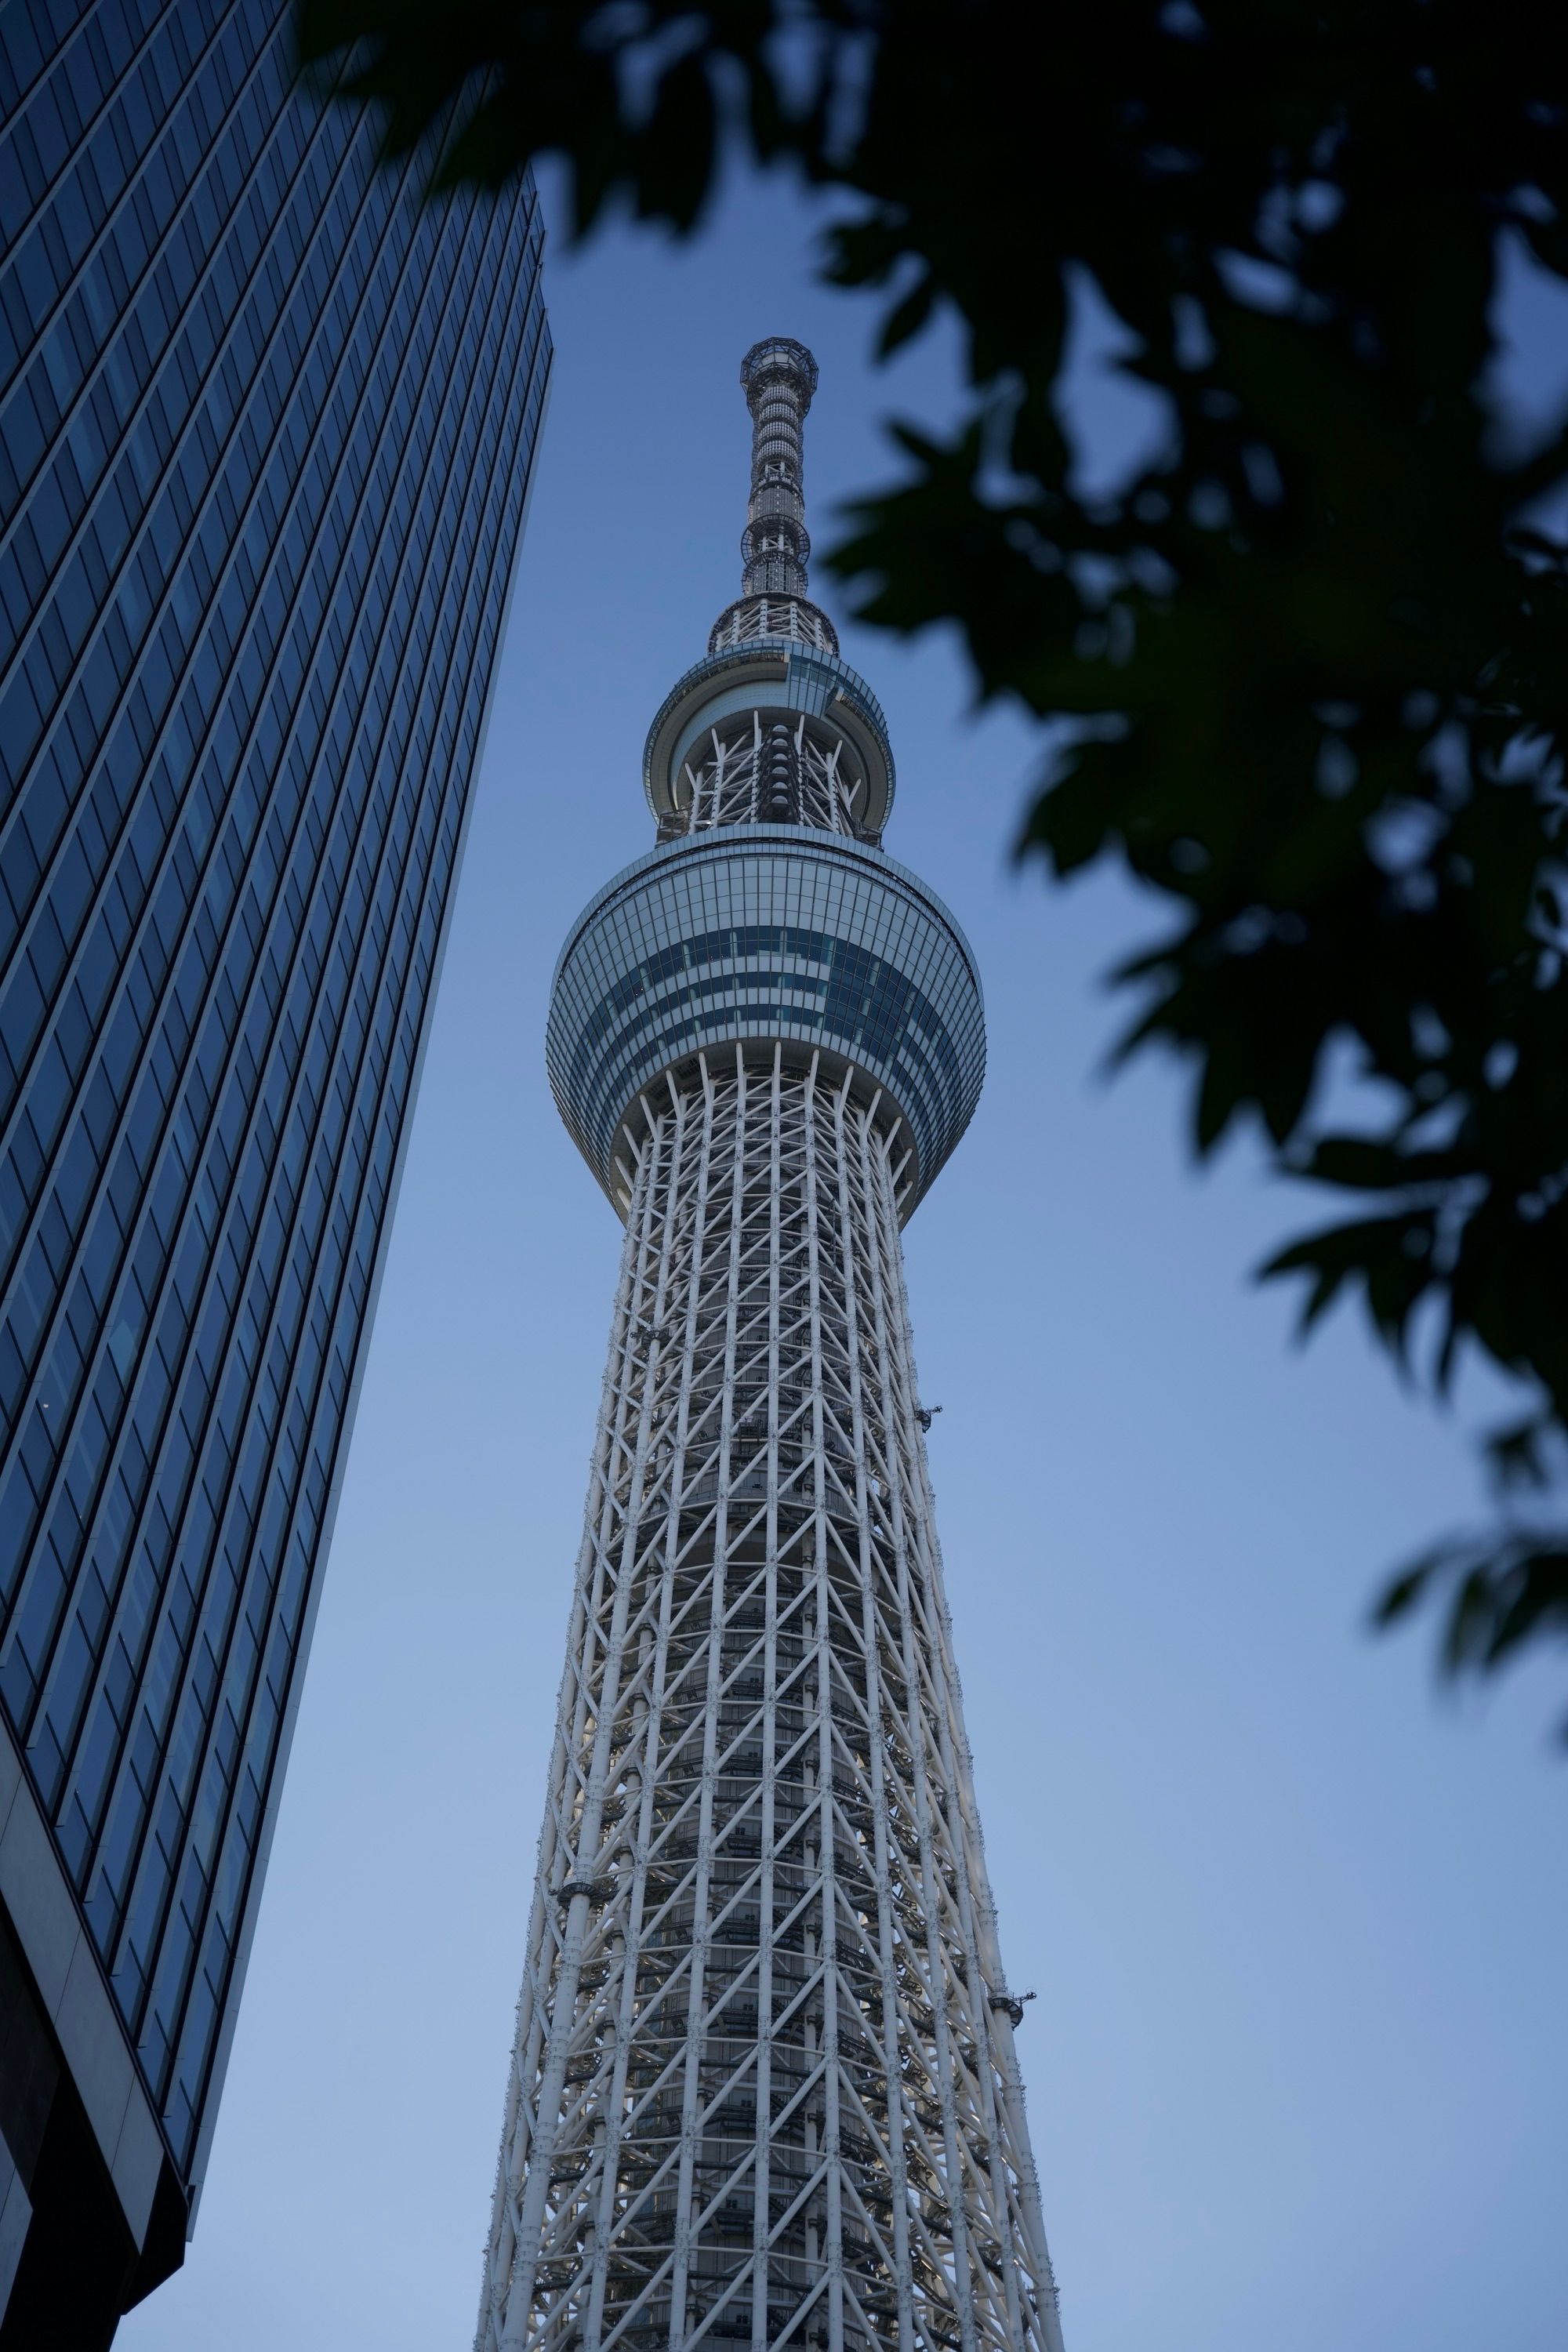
{"type": "Point", "coordinates": [405, 1055]}
{"type": "Point", "coordinates": [178, 558]}
{"type": "Point", "coordinates": [170, 480]}
{"type": "Point", "coordinates": [142, 286]}
{"type": "Point", "coordinates": [876, 1001]}
{"type": "Point", "coordinates": [133, 815]}
{"type": "Point", "coordinates": [79, 190]}
{"type": "Point", "coordinates": [406, 1078]}
{"type": "Point", "coordinates": [464, 733]}
{"type": "Point", "coordinates": [21, 86]}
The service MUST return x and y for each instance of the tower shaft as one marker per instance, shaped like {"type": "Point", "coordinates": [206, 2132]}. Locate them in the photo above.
{"type": "Point", "coordinates": [764, 2088]}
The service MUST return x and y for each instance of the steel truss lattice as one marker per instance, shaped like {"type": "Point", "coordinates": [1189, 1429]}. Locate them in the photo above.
{"type": "Point", "coordinates": [763, 2089]}
{"type": "Point", "coordinates": [761, 769]}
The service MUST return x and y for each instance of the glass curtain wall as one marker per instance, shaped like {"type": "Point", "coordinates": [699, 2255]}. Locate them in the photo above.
{"type": "Point", "coordinates": [267, 420]}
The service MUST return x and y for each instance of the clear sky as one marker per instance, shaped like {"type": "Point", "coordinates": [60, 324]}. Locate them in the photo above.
{"type": "Point", "coordinates": [1297, 1925]}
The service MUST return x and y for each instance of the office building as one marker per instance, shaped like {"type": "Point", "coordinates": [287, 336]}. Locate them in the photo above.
{"type": "Point", "coordinates": [268, 421]}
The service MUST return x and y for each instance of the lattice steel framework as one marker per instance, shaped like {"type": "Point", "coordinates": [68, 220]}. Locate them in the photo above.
{"type": "Point", "coordinates": [754, 770]}
{"type": "Point", "coordinates": [763, 2089]}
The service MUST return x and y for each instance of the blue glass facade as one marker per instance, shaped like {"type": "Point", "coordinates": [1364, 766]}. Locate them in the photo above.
{"type": "Point", "coordinates": [268, 422]}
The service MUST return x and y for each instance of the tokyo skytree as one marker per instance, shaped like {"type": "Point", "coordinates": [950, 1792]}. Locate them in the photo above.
{"type": "Point", "coordinates": [763, 2089]}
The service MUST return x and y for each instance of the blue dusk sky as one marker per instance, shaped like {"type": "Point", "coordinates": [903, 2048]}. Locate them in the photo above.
{"type": "Point", "coordinates": [1297, 1922]}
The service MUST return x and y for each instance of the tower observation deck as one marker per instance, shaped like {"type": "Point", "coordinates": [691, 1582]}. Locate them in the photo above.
{"type": "Point", "coordinates": [763, 2089]}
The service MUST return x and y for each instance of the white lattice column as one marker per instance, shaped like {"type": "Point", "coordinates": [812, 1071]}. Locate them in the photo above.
{"type": "Point", "coordinates": [762, 2092]}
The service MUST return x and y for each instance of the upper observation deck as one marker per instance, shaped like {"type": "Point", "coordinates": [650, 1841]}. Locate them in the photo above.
{"type": "Point", "coordinates": [752, 936]}
{"type": "Point", "coordinates": [698, 760]}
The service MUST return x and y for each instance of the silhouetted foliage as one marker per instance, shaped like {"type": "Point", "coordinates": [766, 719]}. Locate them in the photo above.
{"type": "Point", "coordinates": [1305, 671]}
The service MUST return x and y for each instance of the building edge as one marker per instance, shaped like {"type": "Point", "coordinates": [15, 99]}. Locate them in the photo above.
{"type": "Point", "coordinates": [75, 2015]}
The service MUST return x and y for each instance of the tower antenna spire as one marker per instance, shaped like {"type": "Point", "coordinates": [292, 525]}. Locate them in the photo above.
{"type": "Point", "coordinates": [778, 376]}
